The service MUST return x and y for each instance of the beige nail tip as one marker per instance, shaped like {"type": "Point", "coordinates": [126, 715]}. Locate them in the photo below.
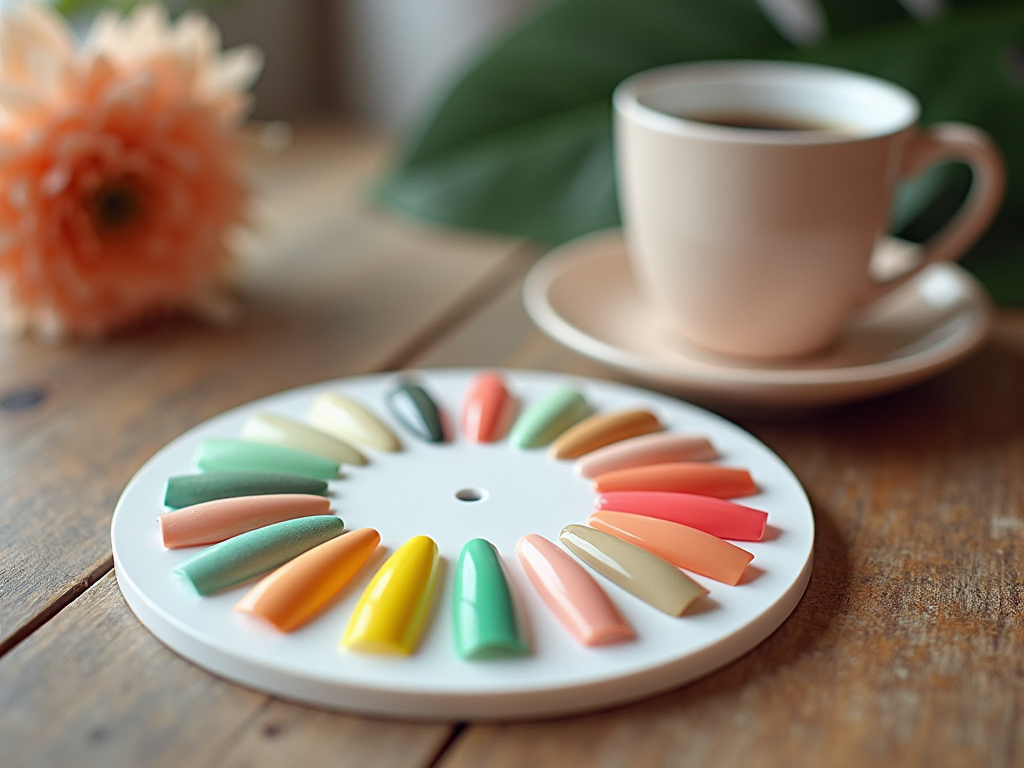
{"type": "Point", "coordinates": [269, 428]}
{"type": "Point", "coordinates": [645, 575]}
{"type": "Point", "coordinates": [349, 420]}
{"type": "Point", "coordinates": [603, 429]}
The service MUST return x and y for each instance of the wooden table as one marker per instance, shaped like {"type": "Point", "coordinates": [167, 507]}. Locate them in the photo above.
{"type": "Point", "coordinates": [908, 648]}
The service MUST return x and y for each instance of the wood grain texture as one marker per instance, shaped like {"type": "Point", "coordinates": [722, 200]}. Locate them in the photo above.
{"type": "Point", "coordinates": [908, 647]}
{"type": "Point", "coordinates": [93, 688]}
{"type": "Point", "coordinates": [331, 287]}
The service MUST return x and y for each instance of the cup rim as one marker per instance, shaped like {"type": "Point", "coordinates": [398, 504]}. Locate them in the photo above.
{"type": "Point", "coordinates": [628, 95]}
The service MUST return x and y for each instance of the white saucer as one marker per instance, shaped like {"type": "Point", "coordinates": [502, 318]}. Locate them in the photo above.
{"type": "Point", "coordinates": [582, 294]}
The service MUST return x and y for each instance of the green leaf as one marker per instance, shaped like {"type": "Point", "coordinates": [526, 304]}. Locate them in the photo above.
{"type": "Point", "coordinates": [522, 144]}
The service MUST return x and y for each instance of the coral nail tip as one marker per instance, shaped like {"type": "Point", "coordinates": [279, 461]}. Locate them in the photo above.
{"type": "Point", "coordinates": [213, 521]}
{"type": "Point", "coordinates": [484, 407]}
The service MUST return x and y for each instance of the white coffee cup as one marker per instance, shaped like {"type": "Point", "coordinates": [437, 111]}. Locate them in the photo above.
{"type": "Point", "coordinates": [758, 242]}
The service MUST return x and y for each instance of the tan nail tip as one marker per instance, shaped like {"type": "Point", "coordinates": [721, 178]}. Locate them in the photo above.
{"type": "Point", "coordinates": [636, 570]}
{"type": "Point", "coordinates": [603, 429]}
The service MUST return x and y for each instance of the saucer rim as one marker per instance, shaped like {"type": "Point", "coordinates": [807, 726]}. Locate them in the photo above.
{"type": "Point", "coordinates": [595, 246]}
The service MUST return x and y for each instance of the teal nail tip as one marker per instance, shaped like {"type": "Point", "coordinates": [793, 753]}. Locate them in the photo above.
{"type": "Point", "coordinates": [484, 615]}
{"type": "Point", "coordinates": [254, 553]}
{"type": "Point", "coordinates": [416, 410]}
{"type": "Point", "coordinates": [549, 417]}
{"type": "Point", "coordinates": [218, 453]}
{"type": "Point", "coordinates": [186, 490]}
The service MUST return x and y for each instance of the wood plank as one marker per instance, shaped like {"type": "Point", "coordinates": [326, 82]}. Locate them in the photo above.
{"type": "Point", "coordinates": [332, 287]}
{"type": "Point", "coordinates": [92, 687]}
{"type": "Point", "coordinates": [908, 647]}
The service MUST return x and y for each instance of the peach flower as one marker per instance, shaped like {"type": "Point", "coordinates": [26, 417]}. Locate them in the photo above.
{"type": "Point", "coordinates": [120, 170]}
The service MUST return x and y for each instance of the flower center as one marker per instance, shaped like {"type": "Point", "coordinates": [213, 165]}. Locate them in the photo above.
{"type": "Point", "coordinates": [116, 204]}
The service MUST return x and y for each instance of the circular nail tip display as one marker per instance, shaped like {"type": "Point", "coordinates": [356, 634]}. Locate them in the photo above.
{"type": "Point", "coordinates": [559, 676]}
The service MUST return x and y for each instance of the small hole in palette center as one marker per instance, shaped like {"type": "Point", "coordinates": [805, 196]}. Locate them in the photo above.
{"type": "Point", "coordinates": [471, 494]}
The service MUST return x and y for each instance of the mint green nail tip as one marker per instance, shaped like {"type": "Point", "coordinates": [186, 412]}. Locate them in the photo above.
{"type": "Point", "coordinates": [217, 453]}
{"type": "Point", "coordinates": [484, 615]}
{"type": "Point", "coordinates": [549, 417]}
{"type": "Point", "coordinates": [186, 490]}
{"type": "Point", "coordinates": [250, 554]}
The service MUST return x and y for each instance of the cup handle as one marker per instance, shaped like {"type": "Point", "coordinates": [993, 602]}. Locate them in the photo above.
{"type": "Point", "coordinates": [952, 141]}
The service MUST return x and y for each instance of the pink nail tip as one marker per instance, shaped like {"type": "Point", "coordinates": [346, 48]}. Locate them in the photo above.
{"type": "Point", "coordinates": [572, 595]}
{"type": "Point", "coordinates": [718, 517]}
{"type": "Point", "coordinates": [659, 448]}
{"type": "Point", "coordinates": [214, 521]}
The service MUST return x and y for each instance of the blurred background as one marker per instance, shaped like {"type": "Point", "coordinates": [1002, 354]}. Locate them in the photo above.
{"type": "Point", "coordinates": [377, 61]}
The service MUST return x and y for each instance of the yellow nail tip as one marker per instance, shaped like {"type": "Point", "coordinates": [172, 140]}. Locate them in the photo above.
{"type": "Point", "coordinates": [392, 611]}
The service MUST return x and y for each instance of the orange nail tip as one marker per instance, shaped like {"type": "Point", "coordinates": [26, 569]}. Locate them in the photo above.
{"type": "Point", "coordinates": [680, 545]}
{"type": "Point", "coordinates": [680, 477]}
{"type": "Point", "coordinates": [657, 448]}
{"type": "Point", "coordinates": [214, 521]}
{"type": "Point", "coordinates": [572, 594]}
{"type": "Point", "coordinates": [301, 589]}
{"type": "Point", "coordinates": [603, 429]}
{"type": "Point", "coordinates": [486, 410]}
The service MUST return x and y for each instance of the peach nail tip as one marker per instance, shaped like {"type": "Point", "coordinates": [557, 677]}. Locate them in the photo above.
{"type": "Point", "coordinates": [486, 409]}
{"type": "Point", "coordinates": [391, 614]}
{"type": "Point", "coordinates": [681, 545]}
{"type": "Point", "coordinates": [644, 450]}
{"type": "Point", "coordinates": [643, 574]}
{"type": "Point", "coordinates": [571, 594]}
{"type": "Point", "coordinates": [680, 477]}
{"type": "Point", "coordinates": [603, 429]}
{"type": "Point", "coordinates": [301, 589]}
{"type": "Point", "coordinates": [214, 521]}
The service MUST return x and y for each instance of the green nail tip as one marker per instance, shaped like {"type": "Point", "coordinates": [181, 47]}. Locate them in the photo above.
{"type": "Point", "coordinates": [256, 552]}
{"type": "Point", "coordinates": [416, 411]}
{"type": "Point", "coordinates": [218, 453]}
{"type": "Point", "coordinates": [484, 616]}
{"type": "Point", "coordinates": [186, 490]}
{"type": "Point", "coordinates": [549, 417]}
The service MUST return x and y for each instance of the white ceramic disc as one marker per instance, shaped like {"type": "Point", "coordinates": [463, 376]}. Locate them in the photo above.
{"type": "Point", "coordinates": [415, 492]}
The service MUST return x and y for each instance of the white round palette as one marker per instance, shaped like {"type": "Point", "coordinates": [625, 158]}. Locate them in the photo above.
{"type": "Point", "coordinates": [416, 491]}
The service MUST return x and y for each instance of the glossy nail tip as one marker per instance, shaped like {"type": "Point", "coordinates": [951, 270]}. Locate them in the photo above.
{"type": "Point", "coordinates": [636, 570]}
{"type": "Point", "coordinates": [680, 477]}
{"type": "Point", "coordinates": [348, 420]}
{"type": "Point", "coordinates": [254, 553]}
{"type": "Point", "coordinates": [718, 517]}
{"type": "Point", "coordinates": [301, 589]}
{"type": "Point", "coordinates": [416, 410]}
{"type": "Point", "coordinates": [680, 545]}
{"type": "Point", "coordinates": [186, 490]}
{"type": "Point", "coordinates": [392, 611]}
{"type": "Point", "coordinates": [572, 595]}
{"type": "Point", "coordinates": [658, 448]}
{"type": "Point", "coordinates": [603, 429]}
{"type": "Point", "coordinates": [276, 430]}
{"type": "Point", "coordinates": [214, 521]}
{"type": "Point", "coordinates": [223, 454]}
{"type": "Point", "coordinates": [548, 417]}
{"type": "Point", "coordinates": [486, 408]}
{"type": "Point", "coordinates": [484, 616]}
